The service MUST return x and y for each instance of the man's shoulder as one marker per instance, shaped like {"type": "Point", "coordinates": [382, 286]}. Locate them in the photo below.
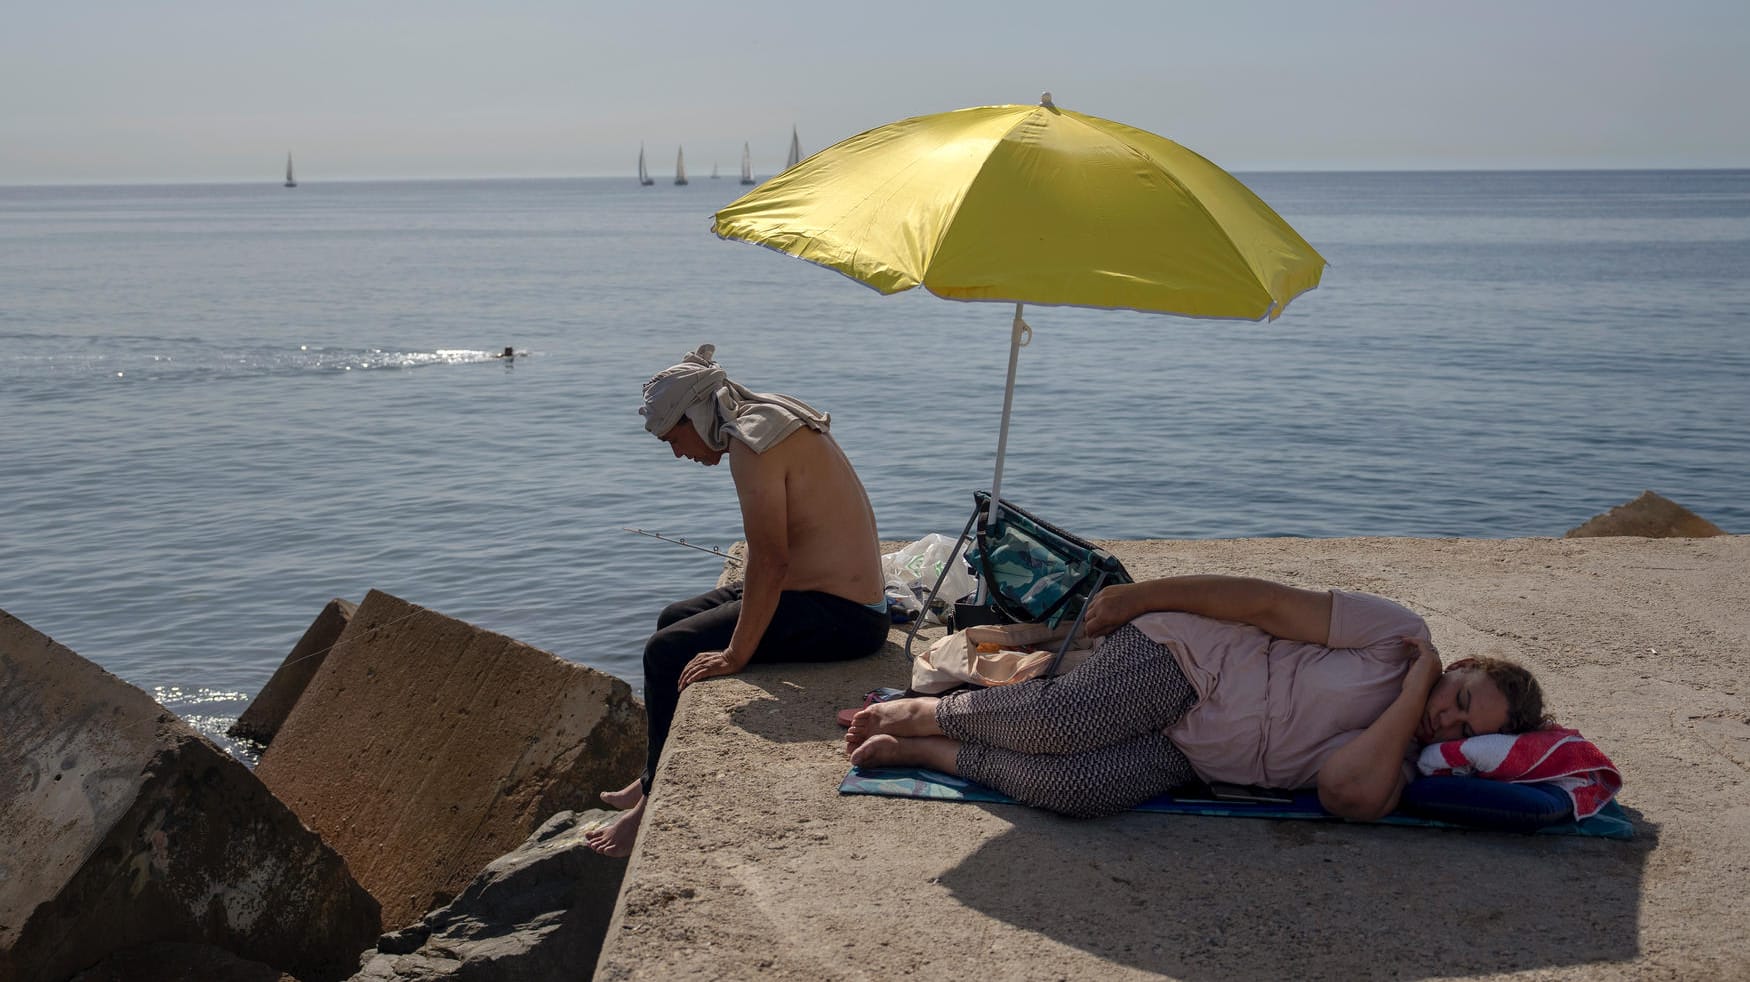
{"type": "Point", "coordinates": [800, 443]}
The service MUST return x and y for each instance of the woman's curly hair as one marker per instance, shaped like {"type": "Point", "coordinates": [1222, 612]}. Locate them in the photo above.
{"type": "Point", "coordinates": [1524, 696]}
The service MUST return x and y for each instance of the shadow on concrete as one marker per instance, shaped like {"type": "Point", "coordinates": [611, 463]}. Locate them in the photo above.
{"type": "Point", "coordinates": [803, 699]}
{"type": "Point", "coordinates": [1219, 898]}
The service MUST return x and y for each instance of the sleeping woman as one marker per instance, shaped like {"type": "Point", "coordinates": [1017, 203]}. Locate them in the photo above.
{"type": "Point", "coordinates": [1227, 679]}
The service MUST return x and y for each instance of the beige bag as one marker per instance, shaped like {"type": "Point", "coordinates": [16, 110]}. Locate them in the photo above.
{"type": "Point", "coordinates": [1022, 652]}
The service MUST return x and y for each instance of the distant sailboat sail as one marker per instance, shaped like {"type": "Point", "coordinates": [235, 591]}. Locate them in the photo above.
{"type": "Point", "coordinates": [795, 150]}
{"type": "Point", "coordinates": [644, 177]}
{"type": "Point", "coordinates": [680, 167]}
{"type": "Point", "coordinates": [290, 182]}
{"type": "Point", "coordinates": [714, 174]}
{"type": "Point", "coordinates": [746, 166]}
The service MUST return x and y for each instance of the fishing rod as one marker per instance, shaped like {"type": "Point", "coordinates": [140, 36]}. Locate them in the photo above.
{"type": "Point", "coordinates": [713, 550]}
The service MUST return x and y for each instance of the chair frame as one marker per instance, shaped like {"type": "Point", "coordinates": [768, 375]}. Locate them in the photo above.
{"type": "Point", "coordinates": [986, 508]}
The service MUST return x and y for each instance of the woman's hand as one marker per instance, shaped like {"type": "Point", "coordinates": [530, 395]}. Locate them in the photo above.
{"type": "Point", "coordinates": [1112, 608]}
{"type": "Point", "coordinates": [1426, 670]}
{"type": "Point", "coordinates": [709, 664]}
{"type": "Point", "coordinates": [1364, 779]}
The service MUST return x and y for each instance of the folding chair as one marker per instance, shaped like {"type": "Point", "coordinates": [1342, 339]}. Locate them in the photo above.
{"type": "Point", "coordinates": [1030, 570]}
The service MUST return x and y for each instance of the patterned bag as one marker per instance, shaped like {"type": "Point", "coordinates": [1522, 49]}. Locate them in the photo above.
{"type": "Point", "coordinates": [1034, 571]}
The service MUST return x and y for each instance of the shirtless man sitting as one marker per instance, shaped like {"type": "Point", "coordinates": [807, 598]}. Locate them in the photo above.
{"type": "Point", "coordinates": [813, 588]}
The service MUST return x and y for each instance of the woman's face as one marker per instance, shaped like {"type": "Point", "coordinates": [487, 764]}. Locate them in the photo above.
{"type": "Point", "coordinates": [1464, 703]}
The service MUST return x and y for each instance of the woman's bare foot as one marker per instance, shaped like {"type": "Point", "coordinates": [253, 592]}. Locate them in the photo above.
{"type": "Point", "coordinates": [878, 750]}
{"type": "Point", "coordinates": [616, 838]}
{"type": "Point", "coordinates": [884, 750]}
{"type": "Point", "coordinates": [626, 797]}
{"type": "Point", "coordinates": [895, 717]}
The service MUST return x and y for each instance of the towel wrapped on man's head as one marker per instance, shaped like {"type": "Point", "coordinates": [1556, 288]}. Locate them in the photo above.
{"type": "Point", "coordinates": [698, 389]}
{"type": "Point", "coordinates": [674, 390]}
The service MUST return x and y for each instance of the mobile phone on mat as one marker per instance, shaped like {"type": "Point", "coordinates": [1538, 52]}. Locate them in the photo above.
{"type": "Point", "coordinates": [1251, 793]}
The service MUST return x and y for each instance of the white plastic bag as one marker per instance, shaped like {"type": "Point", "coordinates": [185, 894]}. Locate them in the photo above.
{"type": "Point", "coordinates": [990, 655]}
{"type": "Point", "coordinates": [912, 571]}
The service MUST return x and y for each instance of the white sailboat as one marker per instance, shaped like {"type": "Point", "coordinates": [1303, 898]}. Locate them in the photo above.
{"type": "Point", "coordinates": [795, 150]}
{"type": "Point", "coordinates": [290, 181]}
{"type": "Point", "coordinates": [714, 174]}
{"type": "Point", "coordinates": [680, 167]}
{"type": "Point", "coordinates": [746, 166]}
{"type": "Point", "coordinates": [644, 177]}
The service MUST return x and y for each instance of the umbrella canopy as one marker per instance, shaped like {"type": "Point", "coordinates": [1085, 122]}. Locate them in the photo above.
{"type": "Point", "coordinates": [1032, 204]}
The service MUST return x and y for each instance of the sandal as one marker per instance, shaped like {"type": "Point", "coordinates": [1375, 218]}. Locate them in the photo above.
{"type": "Point", "coordinates": [869, 698]}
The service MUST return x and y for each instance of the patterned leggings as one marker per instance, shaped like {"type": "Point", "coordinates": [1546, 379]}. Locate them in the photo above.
{"type": "Point", "coordinates": [1086, 743]}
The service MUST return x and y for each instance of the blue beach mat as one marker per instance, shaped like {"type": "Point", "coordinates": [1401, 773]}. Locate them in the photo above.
{"type": "Point", "coordinates": [915, 782]}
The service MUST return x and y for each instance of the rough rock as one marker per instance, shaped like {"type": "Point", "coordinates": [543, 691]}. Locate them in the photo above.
{"type": "Point", "coordinates": [430, 747]}
{"type": "Point", "coordinates": [171, 961]}
{"type": "Point", "coordinates": [1651, 516]}
{"type": "Point", "coordinates": [123, 826]}
{"type": "Point", "coordinates": [538, 912]}
{"type": "Point", "coordinates": [274, 702]}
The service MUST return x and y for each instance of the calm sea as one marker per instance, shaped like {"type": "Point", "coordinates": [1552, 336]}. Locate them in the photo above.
{"type": "Point", "coordinates": [222, 405]}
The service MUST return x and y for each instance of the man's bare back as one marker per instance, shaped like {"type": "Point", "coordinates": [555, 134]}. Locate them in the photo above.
{"type": "Point", "coordinates": [829, 523]}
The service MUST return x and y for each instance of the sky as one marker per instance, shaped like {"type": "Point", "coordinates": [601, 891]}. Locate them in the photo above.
{"type": "Point", "coordinates": [221, 90]}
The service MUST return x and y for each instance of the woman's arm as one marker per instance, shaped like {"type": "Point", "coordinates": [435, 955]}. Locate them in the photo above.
{"type": "Point", "coordinates": [1277, 609]}
{"type": "Point", "coordinates": [1364, 778]}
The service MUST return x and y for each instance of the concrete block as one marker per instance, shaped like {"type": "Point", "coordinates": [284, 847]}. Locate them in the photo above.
{"type": "Point", "coordinates": [172, 961]}
{"type": "Point", "coordinates": [123, 827]}
{"type": "Point", "coordinates": [270, 707]}
{"type": "Point", "coordinates": [427, 747]}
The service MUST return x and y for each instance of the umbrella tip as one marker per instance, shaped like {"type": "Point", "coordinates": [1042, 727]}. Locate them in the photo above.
{"type": "Point", "coordinates": [1045, 100]}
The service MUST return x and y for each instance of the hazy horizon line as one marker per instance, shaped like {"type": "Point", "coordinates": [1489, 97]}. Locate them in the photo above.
{"type": "Point", "coordinates": [627, 176]}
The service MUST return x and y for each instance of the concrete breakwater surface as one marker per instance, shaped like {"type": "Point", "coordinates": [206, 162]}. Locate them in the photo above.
{"type": "Point", "coordinates": [752, 865]}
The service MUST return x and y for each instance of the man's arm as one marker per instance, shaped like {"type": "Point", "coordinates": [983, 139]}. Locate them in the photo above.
{"type": "Point", "coordinates": [1364, 778]}
{"type": "Point", "coordinates": [1277, 609]}
{"type": "Point", "coordinates": [760, 483]}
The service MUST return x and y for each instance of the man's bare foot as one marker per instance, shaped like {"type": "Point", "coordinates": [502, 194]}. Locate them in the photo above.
{"type": "Point", "coordinates": [884, 750]}
{"type": "Point", "coordinates": [626, 797]}
{"type": "Point", "coordinates": [616, 838]}
{"type": "Point", "coordinates": [895, 717]}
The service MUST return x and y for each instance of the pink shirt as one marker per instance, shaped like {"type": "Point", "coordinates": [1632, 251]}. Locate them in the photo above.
{"type": "Point", "coordinates": [1270, 711]}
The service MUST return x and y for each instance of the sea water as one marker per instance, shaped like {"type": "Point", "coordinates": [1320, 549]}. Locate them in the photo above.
{"type": "Point", "coordinates": [222, 405]}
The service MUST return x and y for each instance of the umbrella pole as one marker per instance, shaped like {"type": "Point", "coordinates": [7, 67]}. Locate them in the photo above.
{"type": "Point", "coordinates": [1019, 335]}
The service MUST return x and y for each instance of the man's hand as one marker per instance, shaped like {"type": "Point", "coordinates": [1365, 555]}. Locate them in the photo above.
{"type": "Point", "coordinates": [1112, 608]}
{"type": "Point", "coordinates": [1420, 679]}
{"type": "Point", "coordinates": [709, 664]}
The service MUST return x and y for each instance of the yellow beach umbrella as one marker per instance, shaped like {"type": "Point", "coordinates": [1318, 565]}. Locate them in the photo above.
{"type": "Point", "coordinates": [1032, 204]}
